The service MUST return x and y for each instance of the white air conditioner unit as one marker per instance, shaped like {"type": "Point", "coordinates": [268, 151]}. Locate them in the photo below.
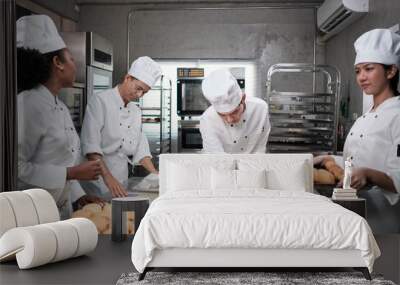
{"type": "Point", "coordinates": [334, 15]}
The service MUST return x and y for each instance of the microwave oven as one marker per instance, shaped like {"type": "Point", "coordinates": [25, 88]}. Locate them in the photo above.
{"type": "Point", "coordinates": [190, 98]}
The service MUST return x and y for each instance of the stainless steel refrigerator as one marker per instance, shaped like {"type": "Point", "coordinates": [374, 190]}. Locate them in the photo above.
{"type": "Point", "coordinates": [93, 57]}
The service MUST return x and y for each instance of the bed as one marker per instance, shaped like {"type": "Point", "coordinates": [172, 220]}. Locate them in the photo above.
{"type": "Point", "coordinates": [247, 210]}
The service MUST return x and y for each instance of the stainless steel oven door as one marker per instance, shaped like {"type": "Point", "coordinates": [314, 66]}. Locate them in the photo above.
{"type": "Point", "coordinates": [191, 100]}
{"type": "Point", "coordinates": [189, 140]}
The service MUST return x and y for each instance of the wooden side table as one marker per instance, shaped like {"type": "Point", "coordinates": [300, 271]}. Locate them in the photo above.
{"type": "Point", "coordinates": [138, 204]}
{"type": "Point", "coordinates": [358, 205]}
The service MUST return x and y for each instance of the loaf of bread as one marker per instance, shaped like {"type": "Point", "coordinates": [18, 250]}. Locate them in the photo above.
{"type": "Point", "coordinates": [101, 217]}
{"type": "Point", "coordinates": [330, 165]}
{"type": "Point", "coordinates": [322, 176]}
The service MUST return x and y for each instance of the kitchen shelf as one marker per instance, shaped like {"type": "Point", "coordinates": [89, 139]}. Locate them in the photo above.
{"type": "Point", "coordinates": [156, 117]}
{"type": "Point", "coordinates": [303, 121]}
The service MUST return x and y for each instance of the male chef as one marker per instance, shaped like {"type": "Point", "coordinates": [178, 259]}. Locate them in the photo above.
{"type": "Point", "coordinates": [233, 123]}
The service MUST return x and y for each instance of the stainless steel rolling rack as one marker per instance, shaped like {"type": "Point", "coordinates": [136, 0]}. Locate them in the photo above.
{"type": "Point", "coordinates": [304, 121]}
{"type": "Point", "coordinates": [156, 117]}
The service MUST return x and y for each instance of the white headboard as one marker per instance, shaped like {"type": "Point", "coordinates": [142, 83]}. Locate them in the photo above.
{"type": "Point", "coordinates": [167, 159]}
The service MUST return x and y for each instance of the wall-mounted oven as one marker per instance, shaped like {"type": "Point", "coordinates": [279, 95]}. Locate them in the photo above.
{"type": "Point", "coordinates": [190, 98]}
{"type": "Point", "coordinates": [189, 137]}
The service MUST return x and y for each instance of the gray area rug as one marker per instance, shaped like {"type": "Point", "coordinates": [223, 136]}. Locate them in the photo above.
{"type": "Point", "coordinates": [232, 278]}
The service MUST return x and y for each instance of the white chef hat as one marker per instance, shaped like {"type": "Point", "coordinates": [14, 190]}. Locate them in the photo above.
{"type": "Point", "coordinates": [146, 70]}
{"type": "Point", "coordinates": [222, 90]}
{"type": "Point", "coordinates": [38, 32]}
{"type": "Point", "coordinates": [378, 46]}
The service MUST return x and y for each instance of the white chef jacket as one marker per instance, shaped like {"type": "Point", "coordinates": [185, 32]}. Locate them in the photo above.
{"type": "Point", "coordinates": [249, 135]}
{"type": "Point", "coordinates": [115, 131]}
{"type": "Point", "coordinates": [374, 142]}
{"type": "Point", "coordinates": [47, 145]}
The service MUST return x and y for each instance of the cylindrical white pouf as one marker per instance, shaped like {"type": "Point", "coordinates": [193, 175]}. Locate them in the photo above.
{"type": "Point", "coordinates": [67, 240]}
{"type": "Point", "coordinates": [7, 217]}
{"type": "Point", "coordinates": [45, 205]}
{"type": "Point", "coordinates": [87, 234]}
{"type": "Point", "coordinates": [23, 207]}
{"type": "Point", "coordinates": [34, 246]}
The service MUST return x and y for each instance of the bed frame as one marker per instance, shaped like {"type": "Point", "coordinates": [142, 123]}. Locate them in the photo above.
{"type": "Point", "coordinates": [242, 259]}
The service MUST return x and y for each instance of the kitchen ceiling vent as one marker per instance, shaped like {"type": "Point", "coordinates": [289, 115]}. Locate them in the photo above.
{"type": "Point", "coordinates": [335, 15]}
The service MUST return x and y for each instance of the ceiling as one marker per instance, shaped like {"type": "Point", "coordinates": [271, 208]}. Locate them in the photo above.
{"type": "Point", "coordinates": [272, 3]}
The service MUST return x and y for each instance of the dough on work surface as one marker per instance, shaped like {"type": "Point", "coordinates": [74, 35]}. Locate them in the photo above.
{"type": "Point", "coordinates": [82, 213]}
{"type": "Point", "coordinates": [101, 217]}
{"type": "Point", "coordinates": [93, 207]}
{"type": "Point", "coordinates": [106, 210]}
{"type": "Point", "coordinates": [102, 223]}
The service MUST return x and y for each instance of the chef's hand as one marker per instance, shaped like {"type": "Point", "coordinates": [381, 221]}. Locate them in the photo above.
{"type": "Point", "coordinates": [359, 178]}
{"type": "Point", "coordinates": [116, 188]}
{"type": "Point", "coordinates": [87, 199]}
{"type": "Point", "coordinates": [88, 170]}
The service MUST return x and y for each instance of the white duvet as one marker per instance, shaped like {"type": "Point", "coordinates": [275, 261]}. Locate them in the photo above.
{"type": "Point", "coordinates": [250, 219]}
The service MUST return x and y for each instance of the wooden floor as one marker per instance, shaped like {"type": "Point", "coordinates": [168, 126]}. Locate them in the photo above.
{"type": "Point", "coordinates": [111, 259]}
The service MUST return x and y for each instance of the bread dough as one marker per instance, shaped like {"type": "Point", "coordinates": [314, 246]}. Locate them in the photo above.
{"type": "Point", "coordinates": [93, 207]}
{"type": "Point", "coordinates": [102, 223]}
{"type": "Point", "coordinates": [82, 213]}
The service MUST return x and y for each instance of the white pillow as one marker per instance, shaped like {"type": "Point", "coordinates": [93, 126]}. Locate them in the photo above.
{"type": "Point", "coordinates": [251, 179]}
{"type": "Point", "coordinates": [291, 180]}
{"type": "Point", "coordinates": [282, 174]}
{"type": "Point", "coordinates": [194, 175]}
{"type": "Point", "coordinates": [223, 179]}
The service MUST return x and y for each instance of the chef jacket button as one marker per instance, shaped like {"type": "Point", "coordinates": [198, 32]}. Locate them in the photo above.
{"type": "Point", "coordinates": [120, 108]}
{"type": "Point", "coordinates": [61, 109]}
{"type": "Point", "coordinates": [231, 125]}
{"type": "Point", "coordinates": [72, 128]}
{"type": "Point", "coordinates": [129, 126]}
{"type": "Point", "coordinates": [351, 133]}
{"type": "Point", "coordinates": [120, 146]}
{"type": "Point", "coordinates": [73, 150]}
{"type": "Point", "coordinates": [241, 148]}
{"type": "Point", "coordinates": [130, 142]}
{"type": "Point", "coordinates": [234, 141]}
{"type": "Point", "coordinates": [120, 124]}
{"type": "Point", "coordinates": [245, 137]}
{"type": "Point", "coordinates": [244, 121]}
{"type": "Point", "coordinates": [363, 116]}
{"type": "Point", "coordinates": [123, 139]}
{"type": "Point", "coordinates": [376, 116]}
{"type": "Point", "coordinates": [361, 135]}
{"type": "Point", "coordinates": [351, 157]}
